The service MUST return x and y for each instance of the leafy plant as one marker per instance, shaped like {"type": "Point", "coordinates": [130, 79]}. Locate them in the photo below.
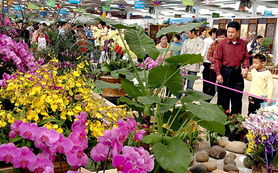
{"type": "Point", "coordinates": [169, 129]}
{"type": "Point", "coordinates": [234, 123]}
{"type": "Point", "coordinates": [267, 42]}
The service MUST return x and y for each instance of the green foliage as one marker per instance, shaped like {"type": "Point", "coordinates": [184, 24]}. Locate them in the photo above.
{"type": "Point", "coordinates": [140, 43]}
{"type": "Point", "coordinates": [112, 23]}
{"type": "Point", "coordinates": [130, 88]}
{"type": "Point", "coordinates": [234, 122]}
{"type": "Point", "coordinates": [115, 65]}
{"type": "Point", "coordinates": [49, 120]}
{"type": "Point", "coordinates": [174, 157]}
{"type": "Point", "coordinates": [190, 77]}
{"type": "Point", "coordinates": [153, 138]}
{"type": "Point", "coordinates": [209, 116]}
{"type": "Point", "coordinates": [168, 76]}
{"type": "Point", "coordinates": [192, 95]}
{"type": "Point", "coordinates": [177, 29]}
{"type": "Point", "coordinates": [185, 59]}
{"type": "Point", "coordinates": [149, 99]}
{"type": "Point", "coordinates": [167, 104]}
{"type": "Point", "coordinates": [275, 160]}
{"type": "Point", "coordinates": [132, 104]}
{"type": "Point", "coordinates": [267, 42]}
{"type": "Point", "coordinates": [168, 143]}
{"type": "Point", "coordinates": [102, 84]}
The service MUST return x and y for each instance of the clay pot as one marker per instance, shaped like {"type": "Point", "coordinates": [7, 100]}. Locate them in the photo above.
{"type": "Point", "coordinates": [261, 168]}
{"type": "Point", "coordinates": [112, 92]}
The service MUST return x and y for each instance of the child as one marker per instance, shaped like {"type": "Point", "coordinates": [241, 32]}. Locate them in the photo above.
{"type": "Point", "coordinates": [261, 83]}
{"type": "Point", "coordinates": [177, 44]}
{"type": "Point", "coordinates": [42, 40]}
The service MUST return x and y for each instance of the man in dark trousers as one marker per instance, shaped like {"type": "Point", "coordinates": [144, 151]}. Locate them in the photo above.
{"type": "Point", "coordinates": [232, 62]}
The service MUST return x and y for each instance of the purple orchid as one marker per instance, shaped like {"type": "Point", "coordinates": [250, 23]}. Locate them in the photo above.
{"type": "Point", "coordinates": [122, 164]}
{"type": "Point", "coordinates": [140, 158]}
{"type": "Point", "coordinates": [28, 130]}
{"type": "Point", "coordinates": [47, 154]}
{"type": "Point", "coordinates": [8, 152]}
{"type": "Point", "coordinates": [139, 135]}
{"type": "Point", "coordinates": [26, 159]}
{"type": "Point", "coordinates": [79, 139]}
{"type": "Point", "coordinates": [100, 152]}
{"type": "Point", "coordinates": [63, 145]}
{"type": "Point", "coordinates": [47, 136]}
{"type": "Point", "coordinates": [77, 158]}
{"type": "Point", "coordinates": [42, 166]}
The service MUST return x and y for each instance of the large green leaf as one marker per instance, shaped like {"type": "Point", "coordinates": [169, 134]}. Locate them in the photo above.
{"type": "Point", "coordinates": [140, 43]}
{"type": "Point", "coordinates": [207, 111]}
{"type": "Point", "coordinates": [130, 88]}
{"type": "Point", "coordinates": [213, 126]}
{"type": "Point", "coordinates": [192, 95]}
{"type": "Point", "coordinates": [168, 76]}
{"type": "Point", "coordinates": [177, 28]}
{"type": "Point", "coordinates": [148, 100]}
{"type": "Point", "coordinates": [152, 138]}
{"type": "Point", "coordinates": [174, 157]}
{"type": "Point", "coordinates": [185, 59]}
{"type": "Point", "coordinates": [102, 84]}
{"type": "Point", "coordinates": [167, 104]}
{"type": "Point", "coordinates": [208, 116]}
{"type": "Point", "coordinates": [190, 77]}
{"type": "Point", "coordinates": [111, 22]}
{"type": "Point", "coordinates": [132, 104]}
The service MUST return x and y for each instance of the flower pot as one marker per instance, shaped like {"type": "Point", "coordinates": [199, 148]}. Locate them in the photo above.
{"type": "Point", "coordinates": [83, 170]}
{"type": "Point", "coordinates": [112, 92]}
{"type": "Point", "coordinates": [59, 167]}
{"type": "Point", "coordinates": [261, 168]}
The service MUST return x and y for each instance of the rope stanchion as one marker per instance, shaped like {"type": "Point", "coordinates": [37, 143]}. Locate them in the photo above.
{"type": "Point", "coordinates": [235, 90]}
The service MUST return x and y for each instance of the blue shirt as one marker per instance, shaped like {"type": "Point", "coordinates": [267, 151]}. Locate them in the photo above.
{"type": "Point", "coordinates": [177, 45]}
{"type": "Point", "coordinates": [183, 37]}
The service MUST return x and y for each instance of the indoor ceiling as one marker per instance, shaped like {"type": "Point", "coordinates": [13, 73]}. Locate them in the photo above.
{"type": "Point", "coordinates": [168, 8]}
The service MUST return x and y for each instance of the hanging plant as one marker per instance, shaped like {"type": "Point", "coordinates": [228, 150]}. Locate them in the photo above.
{"type": "Point", "coordinates": [245, 3]}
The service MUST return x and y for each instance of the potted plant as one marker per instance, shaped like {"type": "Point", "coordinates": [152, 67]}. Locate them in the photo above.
{"type": "Point", "coordinates": [166, 122]}
{"type": "Point", "coordinates": [263, 139]}
{"type": "Point", "coordinates": [267, 45]}
{"type": "Point", "coordinates": [234, 131]}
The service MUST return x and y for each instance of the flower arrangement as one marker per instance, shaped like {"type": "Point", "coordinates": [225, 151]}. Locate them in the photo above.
{"type": "Point", "coordinates": [124, 158]}
{"type": "Point", "coordinates": [51, 144]}
{"type": "Point", "coordinates": [46, 98]}
{"type": "Point", "coordinates": [115, 43]}
{"type": "Point", "coordinates": [15, 56]}
{"type": "Point", "coordinates": [234, 130]}
{"type": "Point", "coordinates": [263, 136]}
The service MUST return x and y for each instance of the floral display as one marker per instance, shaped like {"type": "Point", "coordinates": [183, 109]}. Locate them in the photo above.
{"type": "Point", "coordinates": [43, 95]}
{"type": "Point", "coordinates": [124, 158]}
{"type": "Point", "coordinates": [15, 56]}
{"type": "Point", "coordinates": [50, 113]}
{"type": "Point", "coordinates": [262, 135]}
{"type": "Point", "coordinates": [50, 142]}
{"type": "Point", "coordinates": [115, 42]}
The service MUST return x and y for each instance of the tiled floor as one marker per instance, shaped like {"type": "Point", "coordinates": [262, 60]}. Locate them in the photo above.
{"type": "Point", "coordinates": [199, 85]}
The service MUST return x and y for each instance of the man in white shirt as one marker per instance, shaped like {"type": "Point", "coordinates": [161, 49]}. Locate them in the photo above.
{"type": "Point", "coordinates": [192, 45]}
{"type": "Point", "coordinates": [65, 27]}
{"type": "Point", "coordinates": [207, 63]}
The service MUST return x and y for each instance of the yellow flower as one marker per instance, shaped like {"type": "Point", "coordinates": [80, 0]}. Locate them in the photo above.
{"type": "Point", "coordinates": [76, 73]}
{"type": "Point", "coordinates": [2, 123]}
